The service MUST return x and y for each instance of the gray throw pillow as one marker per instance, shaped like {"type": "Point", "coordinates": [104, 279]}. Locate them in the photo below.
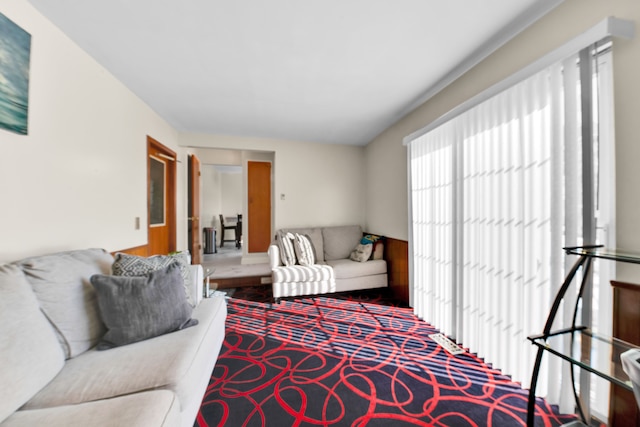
{"type": "Point", "coordinates": [361, 253]}
{"type": "Point", "coordinates": [137, 308]}
{"type": "Point", "coordinates": [132, 265]}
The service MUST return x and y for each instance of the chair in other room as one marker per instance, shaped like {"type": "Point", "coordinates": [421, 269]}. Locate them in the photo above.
{"type": "Point", "coordinates": [224, 229]}
{"type": "Point", "coordinates": [239, 231]}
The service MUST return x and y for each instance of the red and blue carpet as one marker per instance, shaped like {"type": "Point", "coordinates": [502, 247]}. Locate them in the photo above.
{"type": "Point", "coordinates": [351, 360]}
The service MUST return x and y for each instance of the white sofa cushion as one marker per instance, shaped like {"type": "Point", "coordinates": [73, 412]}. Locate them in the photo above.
{"type": "Point", "coordinates": [29, 349]}
{"type": "Point", "coordinates": [154, 408]}
{"type": "Point", "coordinates": [339, 241]}
{"type": "Point", "coordinates": [61, 284]}
{"type": "Point", "coordinates": [346, 268]}
{"type": "Point", "coordinates": [176, 361]}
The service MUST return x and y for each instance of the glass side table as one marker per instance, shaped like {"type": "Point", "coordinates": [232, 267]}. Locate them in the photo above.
{"type": "Point", "coordinates": [578, 345]}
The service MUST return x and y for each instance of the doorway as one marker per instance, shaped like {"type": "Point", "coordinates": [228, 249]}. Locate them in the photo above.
{"type": "Point", "coordinates": [161, 198]}
{"type": "Point", "coordinates": [225, 190]}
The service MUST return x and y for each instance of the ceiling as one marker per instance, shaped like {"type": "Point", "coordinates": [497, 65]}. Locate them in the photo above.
{"type": "Point", "coordinates": [330, 71]}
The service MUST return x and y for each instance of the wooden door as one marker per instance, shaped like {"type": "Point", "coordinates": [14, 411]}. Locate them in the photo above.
{"type": "Point", "coordinates": [194, 232]}
{"type": "Point", "coordinates": [259, 206]}
{"type": "Point", "coordinates": [161, 198]}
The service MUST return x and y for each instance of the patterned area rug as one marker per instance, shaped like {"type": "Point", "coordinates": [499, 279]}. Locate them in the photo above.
{"type": "Point", "coordinates": [351, 360]}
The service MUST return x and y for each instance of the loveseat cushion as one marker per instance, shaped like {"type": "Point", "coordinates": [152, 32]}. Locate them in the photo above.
{"type": "Point", "coordinates": [61, 284]}
{"type": "Point", "coordinates": [29, 349]}
{"type": "Point", "coordinates": [346, 268]}
{"type": "Point", "coordinates": [339, 241]}
{"type": "Point", "coordinates": [154, 408]}
{"type": "Point", "coordinates": [302, 273]}
{"type": "Point", "coordinates": [173, 361]}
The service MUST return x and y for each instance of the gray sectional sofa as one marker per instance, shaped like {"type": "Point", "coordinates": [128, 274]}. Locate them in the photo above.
{"type": "Point", "coordinates": [53, 375]}
{"type": "Point", "coordinates": [332, 271]}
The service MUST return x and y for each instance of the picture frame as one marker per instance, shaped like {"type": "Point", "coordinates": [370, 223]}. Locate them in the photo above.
{"type": "Point", "coordinates": [15, 57]}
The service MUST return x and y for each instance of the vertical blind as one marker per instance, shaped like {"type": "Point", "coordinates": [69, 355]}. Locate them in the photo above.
{"type": "Point", "coordinates": [496, 193]}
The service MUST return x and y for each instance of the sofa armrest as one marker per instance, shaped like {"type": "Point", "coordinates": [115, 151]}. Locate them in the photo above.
{"type": "Point", "coordinates": [274, 255]}
{"type": "Point", "coordinates": [197, 283]}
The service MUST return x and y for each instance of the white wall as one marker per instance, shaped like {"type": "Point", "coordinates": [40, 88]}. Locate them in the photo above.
{"type": "Point", "coordinates": [386, 157]}
{"type": "Point", "coordinates": [231, 189]}
{"type": "Point", "coordinates": [322, 183]}
{"type": "Point", "coordinates": [78, 179]}
{"type": "Point", "coordinates": [211, 205]}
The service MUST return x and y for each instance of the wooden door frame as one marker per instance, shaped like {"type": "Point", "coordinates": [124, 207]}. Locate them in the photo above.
{"type": "Point", "coordinates": [194, 229]}
{"type": "Point", "coordinates": [153, 146]}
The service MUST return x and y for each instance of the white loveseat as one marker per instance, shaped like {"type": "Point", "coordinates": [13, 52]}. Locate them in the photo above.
{"type": "Point", "coordinates": [333, 270]}
{"type": "Point", "coordinates": [53, 375]}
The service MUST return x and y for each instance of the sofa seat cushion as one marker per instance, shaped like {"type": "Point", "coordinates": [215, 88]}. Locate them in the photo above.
{"type": "Point", "coordinates": [154, 408]}
{"type": "Point", "coordinates": [61, 284]}
{"type": "Point", "coordinates": [29, 350]}
{"type": "Point", "coordinates": [175, 361]}
{"type": "Point", "coordinates": [340, 241]}
{"type": "Point", "coordinates": [346, 268]}
{"type": "Point", "coordinates": [303, 273]}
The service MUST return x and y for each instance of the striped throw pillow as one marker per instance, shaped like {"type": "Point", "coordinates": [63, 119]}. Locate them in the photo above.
{"type": "Point", "coordinates": [304, 249]}
{"type": "Point", "coordinates": [285, 243]}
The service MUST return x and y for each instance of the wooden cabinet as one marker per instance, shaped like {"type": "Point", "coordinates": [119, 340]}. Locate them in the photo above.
{"type": "Point", "coordinates": [397, 257]}
{"type": "Point", "coordinates": [623, 409]}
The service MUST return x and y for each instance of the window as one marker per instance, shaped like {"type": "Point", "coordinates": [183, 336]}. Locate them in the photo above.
{"type": "Point", "coordinates": [157, 171]}
{"type": "Point", "coordinates": [496, 192]}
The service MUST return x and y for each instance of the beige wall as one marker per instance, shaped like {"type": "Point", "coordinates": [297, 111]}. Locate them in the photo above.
{"type": "Point", "coordinates": [386, 157]}
{"type": "Point", "coordinates": [322, 184]}
{"type": "Point", "coordinates": [78, 179]}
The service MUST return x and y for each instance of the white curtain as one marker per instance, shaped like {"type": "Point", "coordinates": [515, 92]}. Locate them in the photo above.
{"type": "Point", "coordinates": [495, 195]}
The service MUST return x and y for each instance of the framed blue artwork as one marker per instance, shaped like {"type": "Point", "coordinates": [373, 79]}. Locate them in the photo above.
{"type": "Point", "coordinates": [15, 53]}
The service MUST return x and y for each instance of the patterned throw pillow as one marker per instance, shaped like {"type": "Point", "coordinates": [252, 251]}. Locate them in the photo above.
{"type": "Point", "coordinates": [304, 249]}
{"type": "Point", "coordinates": [287, 251]}
{"type": "Point", "coordinates": [378, 245]}
{"type": "Point", "coordinates": [135, 266]}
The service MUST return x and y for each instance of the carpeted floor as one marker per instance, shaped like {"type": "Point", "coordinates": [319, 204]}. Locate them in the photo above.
{"type": "Point", "coordinates": [350, 360]}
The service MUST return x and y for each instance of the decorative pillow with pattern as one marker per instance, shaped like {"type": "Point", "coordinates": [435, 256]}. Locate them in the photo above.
{"type": "Point", "coordinates": [287, 251]}
{"type": "Point", "coordinates": [135, 266]}
{"type": "Point", "coordinates": [304, 249]}
{"type": "Point", "coordinates": [378, 245]}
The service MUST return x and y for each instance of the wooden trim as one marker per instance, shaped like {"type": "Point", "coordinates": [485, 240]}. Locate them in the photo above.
{"type": "Point", "coordinates": [138, 251]}
{"type": "Point", "coordinates": [156, 148]}
{"type": "Point", "coordinates": [236, 282]}
{"type": "Point", "coordinates": [623, 409]}
{"type": "Point", "coordinates": [396, 253]}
